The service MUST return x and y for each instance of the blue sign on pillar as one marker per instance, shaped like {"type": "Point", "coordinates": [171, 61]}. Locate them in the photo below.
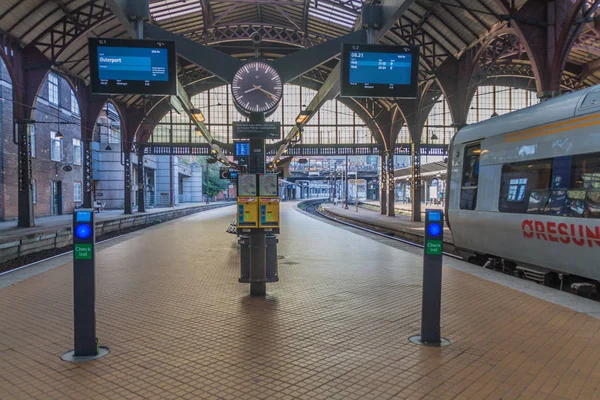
{"type": "Point", "coordinates": [84, 289]}
{"type": "Point", "coordinates": [432, 280]}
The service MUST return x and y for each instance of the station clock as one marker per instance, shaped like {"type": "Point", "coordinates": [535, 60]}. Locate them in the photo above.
{"type": "Point", "coordinates": [256, 88]}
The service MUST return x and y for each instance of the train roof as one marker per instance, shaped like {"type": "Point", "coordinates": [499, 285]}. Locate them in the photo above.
{"type": "Point", "coordinates": [581, 102]}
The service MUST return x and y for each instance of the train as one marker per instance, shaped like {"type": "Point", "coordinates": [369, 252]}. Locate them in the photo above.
{"type": "Point", "coordinates": [524, 191]}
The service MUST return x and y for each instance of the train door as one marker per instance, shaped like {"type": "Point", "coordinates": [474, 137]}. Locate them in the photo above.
{"type": "Point", "coordinates": [470, 177]}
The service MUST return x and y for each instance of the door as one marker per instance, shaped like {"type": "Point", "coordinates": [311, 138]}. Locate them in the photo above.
{"type": "Point", "coordinates": [56, 201]}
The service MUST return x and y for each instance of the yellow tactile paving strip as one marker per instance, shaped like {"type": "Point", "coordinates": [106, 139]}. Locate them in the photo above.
{"type": "Point", "coordinates": [179, 326]}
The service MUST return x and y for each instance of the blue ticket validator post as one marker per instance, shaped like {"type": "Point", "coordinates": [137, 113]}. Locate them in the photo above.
{"type": "Point", "coordinates": [84, 289]}
{"type": "Point", "coordinates": [432, 280]}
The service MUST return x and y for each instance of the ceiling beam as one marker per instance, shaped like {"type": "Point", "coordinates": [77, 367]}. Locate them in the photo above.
{"type": "Point", "coordinates": [207, 14]}
{"type": "Point", "coordinates": [286, 16]}
{"type": "Point", "coordinates": [216, 62]}
{"type": "Point", "coordinates": [392, 10]}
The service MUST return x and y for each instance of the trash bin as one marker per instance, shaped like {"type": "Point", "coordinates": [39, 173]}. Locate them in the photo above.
{"type": "Point", "coordinates": [244, 242]}
{"type": "Point", "coordinates": [272, 267]}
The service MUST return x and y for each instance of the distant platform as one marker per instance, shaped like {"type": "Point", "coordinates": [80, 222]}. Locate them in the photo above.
{"type": "Point", "coordinates": [336, 325]}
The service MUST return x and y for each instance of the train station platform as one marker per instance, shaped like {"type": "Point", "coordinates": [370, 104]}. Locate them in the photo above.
{"type": "Point", "coordinates": [336, 325]}
{"type": "Point", "coordinates": [400, 225]}
{"type": "Point", "coordinates": [19, 246]}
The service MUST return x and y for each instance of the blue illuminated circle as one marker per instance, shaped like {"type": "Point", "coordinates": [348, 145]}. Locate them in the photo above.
{"type": "Point", "coordinates": [434, 229]}
{"type": "Point", "coordinates": [83, 231]}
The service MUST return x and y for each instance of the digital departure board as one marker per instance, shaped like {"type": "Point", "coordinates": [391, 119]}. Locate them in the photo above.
{"type": "Point", "coordinates": [379, 71]}
{"type": "Point", "coordinates": [123, 66]}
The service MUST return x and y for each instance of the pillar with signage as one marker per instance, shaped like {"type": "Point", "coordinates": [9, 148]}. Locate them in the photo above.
{"type": "Point", "coordinates": [84, 289]}
{"type": "Point", "coordinates": [432, 281]}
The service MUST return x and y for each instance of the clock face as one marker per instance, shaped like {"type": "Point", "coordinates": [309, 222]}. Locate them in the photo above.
{"type": "Point", "coordinates": [257, 87]}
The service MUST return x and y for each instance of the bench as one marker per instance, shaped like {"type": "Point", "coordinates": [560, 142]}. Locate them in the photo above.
{"type": "Point", "coordinates": [99, 206]}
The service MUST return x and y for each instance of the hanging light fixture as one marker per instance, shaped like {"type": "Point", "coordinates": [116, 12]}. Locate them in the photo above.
{"type": "Point", "coordinates": [108, 147]}
{"type": "Point", "coordinates": [58, 134]}
{"type": "Point", "coordinates": [198, 131]}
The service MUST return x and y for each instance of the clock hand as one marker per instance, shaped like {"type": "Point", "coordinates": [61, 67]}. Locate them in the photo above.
{"type": "Point", "coordinates": [269, 94]}
{"type": "Point", "coordinates": [253, 89]}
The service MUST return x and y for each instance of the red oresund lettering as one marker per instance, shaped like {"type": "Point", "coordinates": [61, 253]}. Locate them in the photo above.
{"type": "Point", "coordinates": [581, 240]}
{"type": "Point", "coordinates": [563, 230]}
{"type": "Point", "coordinates": [551, 231]}
{"type": "Point", "coordinates": [527, 227]}
{"type": "Point", "coordinates": [593, 236]}
{"type": "Point", "coordinates": [539, 230]}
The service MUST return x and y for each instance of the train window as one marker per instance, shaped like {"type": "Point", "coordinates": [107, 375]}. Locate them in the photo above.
{"type": "Point", "coordinates": [585, 172]}
{"type": "Point", "coordinates": [557, 202]}
{"type": "Point", "coordinates": [575, 205]}
{"type": "Point", "coordinates": [470, 177]}
{"type": "Point", "coordinates": [593, 204]}
{"type": "Point", "coordinates": [516, 189]}
{"type": "Point", "coordinates": [518, 182]}
{"type": "Point", "coordinates": [538, 202]}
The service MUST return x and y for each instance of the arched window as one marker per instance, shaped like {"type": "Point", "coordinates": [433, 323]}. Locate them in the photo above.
{"type": "Point", "coordinates": [497, 100]}
{"type": "Point", "coordinates": [333, 123]}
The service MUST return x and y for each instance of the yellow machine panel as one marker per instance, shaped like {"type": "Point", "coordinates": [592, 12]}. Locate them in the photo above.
{"type": "Point", "coordinates": [269, 212]}
{"type": "Point", "coordinates": [247, 214]}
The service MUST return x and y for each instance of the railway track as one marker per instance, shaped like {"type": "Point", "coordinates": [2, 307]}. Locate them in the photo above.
{"type": "Point", "coordinates": [313, 208]}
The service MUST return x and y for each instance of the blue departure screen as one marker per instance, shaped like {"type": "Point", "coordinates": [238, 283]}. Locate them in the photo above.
{"type": "Point", "coordinates": [126, 63]}
{"type": "Point", "coordinates": [380, 68]}
{"type": "Point", "coordinates": [242, 148]}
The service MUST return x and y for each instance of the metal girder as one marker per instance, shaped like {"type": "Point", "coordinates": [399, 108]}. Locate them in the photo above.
{"type": "Point", "coordinates": [391, 11]}
{"type": "Point", "coordinates": [218, 63]}
{"type": "Point", "coordinates": [269, 33]}
{"type": "Point", "coordinates": [125, 9]}
{"type": "Point", "coordinates": [294, 65]}
{"type": "Point", "coordinates": [57, 38]}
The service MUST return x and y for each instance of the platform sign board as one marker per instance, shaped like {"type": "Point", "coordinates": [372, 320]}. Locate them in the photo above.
{"type": "Point", "coordinates": [253, 130]}
{"type": "Point", "coordinates": [267, 184]}
{"type": "Point", "coordinates": [247, 185]}
{"type": "Point", "coordinates": [357, 181]}
{"type": "Point", "coordinates": [126, 66]}
{"type": "Point", "coordinates": [373, 70]}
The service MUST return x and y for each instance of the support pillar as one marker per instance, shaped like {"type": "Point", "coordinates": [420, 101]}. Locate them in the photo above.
{"type": "Point", "coordinates": [416, 183]}
{"type": "Point", "coordinates": [141, 198]}
{"type": "Point", "coordinates": [258, 239]}
{"type": "Point", "coordinates": [383, 186]}
{"type": "Point", "coordinates": [25, 197]}
{"type": "Point", "coordinates": [127, 176]}
{"type": "Point", "coordinates": [391, 195]}
{"type": "Point", "coordinates": [87, 174]}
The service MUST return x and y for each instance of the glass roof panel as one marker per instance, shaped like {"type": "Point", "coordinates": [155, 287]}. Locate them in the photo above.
{"type": "Point", "coordinates": [336, 14]}
{"type": "Point", "coordinates": [167, 9]}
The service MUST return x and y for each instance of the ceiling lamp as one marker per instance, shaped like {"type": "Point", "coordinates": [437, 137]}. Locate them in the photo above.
{"type": "Point", "coordinates": [197, 114]}
{"type": "Point", "coordinates": [59, 135]}
{"type": "Point", "coordinates": [198, 131]}
{"type": "Point", "coordinates": [302, 117]}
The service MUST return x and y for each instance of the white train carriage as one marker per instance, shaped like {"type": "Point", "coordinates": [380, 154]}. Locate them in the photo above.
{"type": "Point", "coordinates": [525, 187]}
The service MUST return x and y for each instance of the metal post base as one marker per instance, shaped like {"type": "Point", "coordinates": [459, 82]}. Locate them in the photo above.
{"type": "Point", "coordinates": [258, 289]}
{"type": "Point", "coordinates": [417, 340]}
{"type": "Point", "coordinates": [71, 357]}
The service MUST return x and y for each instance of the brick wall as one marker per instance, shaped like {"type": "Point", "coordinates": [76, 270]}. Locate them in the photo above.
{"type": "Point", "coordinates": [45, 171]}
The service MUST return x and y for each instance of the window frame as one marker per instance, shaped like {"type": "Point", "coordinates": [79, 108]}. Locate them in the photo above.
{"type": "Point", "coordinates": [76, 145]}
{"type": "Point", "coordinates": [80, 197]}
{"type": "Point", "coordinates": [32, 133]}
{"type": "Point", "coordinates": [74, 104]}
{"type": "Point", "coordinates": [53, 139]}
{"type": "Point", "coordinates": [53, 90]}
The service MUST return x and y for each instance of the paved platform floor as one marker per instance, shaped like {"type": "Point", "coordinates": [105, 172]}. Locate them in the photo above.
{"type": "Point", "coordinates": [336, 326]}
{"type": "Point", "coordinates": [9, 228]}
{"type": "Point", "coordinates": [372, 217]}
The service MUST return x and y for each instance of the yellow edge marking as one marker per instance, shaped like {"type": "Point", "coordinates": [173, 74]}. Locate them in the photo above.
{"type": "Point", "coordinates": [554, 125]}
{"type": "Point", "coordinates": [552, 131]}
